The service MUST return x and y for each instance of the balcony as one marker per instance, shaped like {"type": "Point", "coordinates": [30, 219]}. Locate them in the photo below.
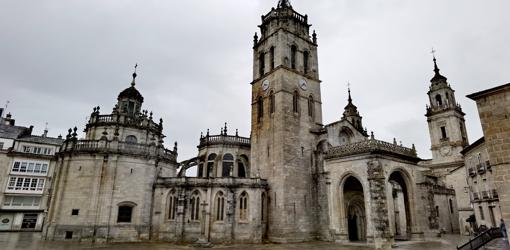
{"type": "Point", "coordinates": [480, 168]}
{"type": "Point", "coordinates": [485, 195]}
{"type": "Point", "coordinates": [494, 194]}
{"type": "Point", "coordinates": [472, 172]}
{"type": "Point", "coordinates": [476, 197]}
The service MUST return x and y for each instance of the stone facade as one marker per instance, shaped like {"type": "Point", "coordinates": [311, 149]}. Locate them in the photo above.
{"type": "Point", "coordinates": [494, 108]}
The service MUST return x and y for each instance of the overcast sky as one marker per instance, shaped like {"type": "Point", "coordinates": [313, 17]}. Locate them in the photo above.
{"type": "Point", "coordinates": [58, 59]}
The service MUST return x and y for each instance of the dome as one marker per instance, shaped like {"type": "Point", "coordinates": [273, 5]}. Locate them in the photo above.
{"type": "Point", "coordinates": [131, 93]}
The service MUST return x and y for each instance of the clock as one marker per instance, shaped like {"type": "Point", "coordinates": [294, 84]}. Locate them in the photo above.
{"type": "Point", "coordinates": [302, 84]}
{"type": "Point", "coordinates": [265, 85]}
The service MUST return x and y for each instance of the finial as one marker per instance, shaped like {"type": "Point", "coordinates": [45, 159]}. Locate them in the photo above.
{"type": "Point", "coordinates": [201, 135]}
{"type": "Point", "coordinates": [314, 37]}
{"type": "Point", "coordinates": [225, 130]}
{"type": "Point", "coordinates": [74, 132]}
{"type": "Point", "coordinates": [283, 4]}
{"type": "Point", "coordinates": [349, 91]}
{"type": "Point", "coordinates": [134, 76]}
{"type": "Point", "coordinates": [237, 132]}
{"type": "Point", "coordinates": [394, 141]}
{"type": "Point", "coordinates": [175, 146]}
{"type": "Point", "coordinates": [255, 39]}
{"type": "Point", "coordinates": [207, 132]}
{"type": "Point", "coordinates": [372, 135]}
{"type": "Point", "coordinates": [68, 136]}
{"type": "Point", "coordinates": [433, 52]}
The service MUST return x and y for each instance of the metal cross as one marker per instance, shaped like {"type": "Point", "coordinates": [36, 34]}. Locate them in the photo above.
{"type": "Point", "coordinates": [136, 66]}
{"type": "Point", "coordinates": [433, 52]}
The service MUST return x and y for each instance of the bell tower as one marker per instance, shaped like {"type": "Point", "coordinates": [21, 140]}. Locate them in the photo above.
{"type": "Point", "coordinates": [286, 109]}
{"type": "Point", "coordinates": [446, 121]}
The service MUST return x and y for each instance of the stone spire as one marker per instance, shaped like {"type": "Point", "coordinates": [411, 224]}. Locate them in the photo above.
{"type": "Point", "coordinates": [437, 76]}
{"type": "Point", "coordinates": [284, 4]}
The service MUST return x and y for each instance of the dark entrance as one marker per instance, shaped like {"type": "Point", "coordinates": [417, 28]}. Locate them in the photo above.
{"type": "Point", "coordinates": [354, 209]}
{"type": "Point", "coordinates": [352, 223]}
{"type": "Point", "coordinates": [399, 184]}
{"type": "Point", "coordinates": [29, 221]}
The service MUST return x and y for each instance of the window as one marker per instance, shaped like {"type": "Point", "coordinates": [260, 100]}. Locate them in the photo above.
{"type": "Point", "coordinates": [443, 133]}
{"type": "Point", "coordinates": [210, 165]}
{"type": "Point", "coordinates": [30, 167]}
{"type": "Point", "coordinates": [195, 206]}
{"type": "Point", "coordinates": [241, 172]}
{"type": "Point", "coordinates": [310, 106]}
{"type": "Point", "coordinates": [271, 55]}
{"type": "Point", "coordinates": [271, 102]}
{"type": "Point", "coordinates": [172, 206]}
{"type": "Point", "coordinates": [227, 164]}
{"type": "Point", "coordinates": [220, 206]}
{"type": "Point", "coordinates": [260, 108]}
{"type": "Point", "coordinates": [305, 61]}
{"type": "Point", "coordinates": [451, 206]}
{"type": "Point", "coordinates": [482, 216]}
{"type": "Point", "coordinates": [22, 201]}
{"type": "Point", "coordinates": [37, 150]}
{"type": "Point", "coordinates": [125, 213]}
{"type": "Point", "coordinates": [295, 98]}
{"type": "Point", "coordinates": [131, 139]}
{"type": "Point", "coordinates": [23, 184]}
{"type": "Point", "coordinates": [69, 235]}
{"type": "Point", "coordinates": [243, 206]}
{"type": "Point", "coordinates": [261, 63]}
{"type": "Point", "coordinates": [439, 101]}
{"type": "Point", "coordinates": [293, 50]}
{"type": "Point", "coordinates": [75, 211]}
{"type": "Point", "coordinates": [1, 145]}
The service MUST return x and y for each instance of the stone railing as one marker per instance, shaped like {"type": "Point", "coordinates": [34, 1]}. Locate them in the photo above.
{"type": "Point", "coordinates": [370, 146]}
{"type": "Point", "coordinates": [224, 140]}
{"type": "Point", "coordinates": [211, 182]}
{"type": "Point", "coordinates": [432, 110]}
{"type": "Point", "coordinates": [476, 197]}
{"type": "Point", "coordinates": [277, 13]}
{"type": "Point", "coordinates": [494, 194]}
{"type": "Point", "coordinates": [138, 121]}
{"type": "Point", "coordinates": [116, 147]}
{"type": "Point", "coordinates": [472, 172]}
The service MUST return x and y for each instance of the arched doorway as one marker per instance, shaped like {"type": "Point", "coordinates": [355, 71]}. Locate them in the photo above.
{"type": "Point", "coordinates": [401, 216]}
{"type": "Point", "coordinates": [354, 203]}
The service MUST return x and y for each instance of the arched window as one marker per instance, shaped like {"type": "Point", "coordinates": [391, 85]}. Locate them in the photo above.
{"type": "Point", "coordinates": [451, 206]}
{"type": "Point", "coordinates": [271, 55]}
{"type": "Point", "coordinates": [131, 139]}
{"type": "Point", "coordinates": [263, 207]}
{"type": "Point", "coordinates": [172, 205]}
{"type": "Point", "coordinates": [261, 63]}
{"type": "Point", "coordinates": [210, 165]}
{"type": "Point", "coordinates": [305, 61]}
{"type": "Point", "coordinates": [195, 206]}
{"type": "Point", "coordinates": [439, 100]}
{"type": "Point", "coordinates": [220, 206]}
{"type": "Point", "coordinates": [125, 212]}
{"type": "Point", "coordinates": [260, 108]}
{"type": "Point", "coordinates": [293, 51]}
{"type": "Point", "coordinates": [271, 102]}
{"type": "Point", "coordinates": [241, 172]}
{"type": "Point", "coordinates": [310, 106]}
{"type": "Point", "coordinates": [227, 164]}
{"type": "Point", "coordinates": [295, 99]}
{"type": "Point", "coordinates": [243, 206]}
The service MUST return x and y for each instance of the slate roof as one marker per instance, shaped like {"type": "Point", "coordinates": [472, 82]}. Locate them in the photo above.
{"type": "Point", "coordinates": [12, 132]}
{"type": "Point", "coordinates": [42, 140]}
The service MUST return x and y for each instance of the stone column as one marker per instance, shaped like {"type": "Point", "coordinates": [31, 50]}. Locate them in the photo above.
{"type": "Point", "coordinates": [379, 208]}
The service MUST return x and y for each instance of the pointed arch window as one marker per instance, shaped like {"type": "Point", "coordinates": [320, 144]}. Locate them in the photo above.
{"type": "Point", "coordinates": [439, 100]}
{"type": "Point", "coordinates": [227, 165]}
{"type": "Point", "coordinates": [305, 61]}
{"type": "Point", "coordinates": [293, 51]}
{"type": "Point", "coordinates": [210, 165]}
{"type": "Point", "coordinates": [220, 206]}
{"type": "Point", "coordinates": [262, 63]}
{"type": "Point", "coordinates": [195, 206]}
{"type": "Point", "coordinates": [260, 108]}
{"type": "Point", "coordinates": [172, 205]}
{"type": "Point", "coordinates": [271, 102]}
{"type": "Point", "coordinates": [271, 56]}
{"type": "Point", "coordinates": [243, 206]}
{"type": "Point", "coordinates": [263, 207]}
{"type": "Point", "coordinates": [310, 106]}
{"type": "Point", "coordinates": [295, 98]}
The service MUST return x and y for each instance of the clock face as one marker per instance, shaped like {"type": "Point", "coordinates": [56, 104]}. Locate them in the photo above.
{"type": "Point", "coordinates": [265, 85]}
{"type": "Point", "coordinates": [302, 84]}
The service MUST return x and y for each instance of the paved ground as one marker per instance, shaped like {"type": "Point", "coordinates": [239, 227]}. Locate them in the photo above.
{"type": "Point", "coordinates": [31, 241]}
{"type": "Point", "coordinates": [499, 244]}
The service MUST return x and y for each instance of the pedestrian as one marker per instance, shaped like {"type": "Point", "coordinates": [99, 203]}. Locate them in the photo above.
{"type": "Point", "coordinates": [502, 227]}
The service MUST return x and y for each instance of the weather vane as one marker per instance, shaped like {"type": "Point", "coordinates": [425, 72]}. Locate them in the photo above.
{"type": "Point", "coordinates": [136, 66]}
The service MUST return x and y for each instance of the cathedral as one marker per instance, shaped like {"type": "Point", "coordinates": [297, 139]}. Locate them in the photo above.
{"type": "Point", "coordinates": [293, 179]}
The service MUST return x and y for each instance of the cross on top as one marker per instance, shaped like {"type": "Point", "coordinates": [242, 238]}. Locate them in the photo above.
{"type": "Point", "coordinates": [136, 66]}
{"type": "Point", "coordinates": [433, 52]}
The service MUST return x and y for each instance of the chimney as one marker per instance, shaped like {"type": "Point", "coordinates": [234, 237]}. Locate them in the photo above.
{"type": "Point", "coordinates": [30, 129]}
